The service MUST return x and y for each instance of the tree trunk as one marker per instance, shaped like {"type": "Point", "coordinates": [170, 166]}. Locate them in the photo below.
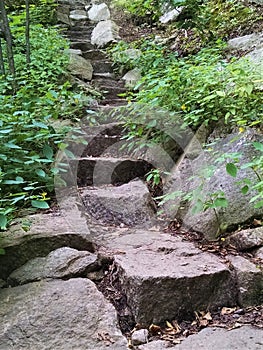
{"type": "Point", "coordinates": [9, 41]}
{"type": "Point", "coordinates": [27, 35]}
{"type": "Point", "coordinates": [2, 65]}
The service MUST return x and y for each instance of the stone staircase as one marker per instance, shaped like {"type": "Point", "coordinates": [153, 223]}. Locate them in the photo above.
{"type": "Point", "coordinates": [79, 33]}
{"type": "Point", "coordinates": [106, 236]}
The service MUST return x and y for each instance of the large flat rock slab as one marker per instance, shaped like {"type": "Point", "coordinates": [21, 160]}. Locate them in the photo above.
{"type": "Point", "coordinates": [187, 177]}
{"type": "Point", "coordinates": [58, 315]}
{"type": "Point", "coordinates": [62, 263]}
{"type": "Point", "coordinates": [38, 235]}
{"type": "Point", "coordinates": [165, 278]}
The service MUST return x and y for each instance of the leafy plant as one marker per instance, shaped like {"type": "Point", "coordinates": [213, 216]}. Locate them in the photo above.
{"type": "Point", "coordinates": [28, 136]}
{"type": "Point", "coordinates": [155, 176]}
{"type": "Point", "coordinates": [215, 19]}
{"type": "Point", "coordinates": [201, 88]}
{"type": "Point", "coordinates": [256, 164]}
{"type": "Point", "coordinates": [147, 10]}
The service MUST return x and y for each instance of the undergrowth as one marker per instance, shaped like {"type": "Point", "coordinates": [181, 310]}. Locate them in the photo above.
{"type": "Point", "coordinates": [29, 138]}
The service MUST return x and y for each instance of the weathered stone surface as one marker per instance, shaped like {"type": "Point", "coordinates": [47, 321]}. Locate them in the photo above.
{"type": "Point", "coordinates": [80, 67]}
{"type": "Point", "coordinates": [239, 209]}
{"type": "Point", "coordinates": [140, 337]}
{"type": "Point", "coordinates": [78, 15]}
{"type": "Point", "coordinates": [99, 12]}
{"type": "Point", "coordinates": [102, 66]}
{"type": "Point", "coordinates": [165, 278]}
{"type": "Point", "coordinates": [45, 233]}
{"type": "Point", "coordinates": [156, 345]}
{"type": "Point", "coordinates": [58, 315]}
{"type": "Point", "coordinates": [247, 42]}
{"type": "Point", "coordinates": [104, 33]}
{"type": "Point", "coordinates": [259, 253]}
{"type": "Point", "coordinates": [130, 204]}
{"type": "Point", "coordinates": [2, 283]}
{"type": "Point", "coordinates": [74, 52]}
{"type": "Point", "coordinates": [247, 239]}
{"type": "Point", "coordinates": [171, 15]}
{"type": "Point", "coordinates": [256, 57]}
{"type": "Point", "coordinates": [253, 44]}
{"type": "Point", "coordinates": [63, 18]}
{"type": "Point", "coordinates": [132, 77]}
{"type": "Point", "coordinates": [249, 279]}
{"type": "Point", "coordinates": [64, 262]}
{"type": "Point", "coordinates": [243, 338]}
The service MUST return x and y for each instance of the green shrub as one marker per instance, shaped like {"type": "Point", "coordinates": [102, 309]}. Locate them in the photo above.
{"type": "Point", "coordinates": [146, 10]}
{"type": "Point", "coordinates": [28, 140]}
{"type": "Point", "coordinates": [201, 88]}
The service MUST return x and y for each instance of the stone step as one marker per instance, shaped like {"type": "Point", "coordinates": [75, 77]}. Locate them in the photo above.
{"type": "Point", "coordinates": [81, 45]}
{"type": "Point", "coordinates": [81, 28]}
{"type": "Point", "coordinates": [107, 146]}
{"type": "Point", "coordinates": [127, 205]}
{"type": "Point", "coordinates": [112, 93]}
{"type": "Point", "coordinates": [74, 31]}
{"type": "Point", "coordinates": [102, 66]}
{"type": "Point", "coordinates": [107, 170]}
{"type": "Point", "coordinates": [75, 36]}
{"type": "Point", "coordinates": [94, 54]}
{"type": "Point", "coordinates": [114, 102]}
{"type": "Point", "coordinates": [106, 75]}
{"type": "Point", "coordinates": [109, 82]}
{"type": "Point", "coordinates": [165, 278]}
{"type": "Point", "coordinates": [109, 129]}
{"type": "Point", "coordinates": [103, 139]}
{"type": "Point", "coordinates": [57, 314]}
{"type": "Point", "coordinates": [111, 88]}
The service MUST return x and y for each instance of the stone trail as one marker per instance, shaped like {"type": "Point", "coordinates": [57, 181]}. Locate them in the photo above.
{"type": "Point", "coordinates": [49, 298]}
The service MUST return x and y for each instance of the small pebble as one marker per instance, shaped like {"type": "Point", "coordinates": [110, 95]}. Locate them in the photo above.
{"type": "Point", "coordinates": [140, 337]}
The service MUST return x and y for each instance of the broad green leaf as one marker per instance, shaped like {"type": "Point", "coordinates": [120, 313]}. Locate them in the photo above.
{"type": "Point", "coordinates": [3, 221]}
{"type": "Point", "coordinates": [5, 131]}
{"type": "Point", "coordinates": [258, 146]}
{"type": "Point", "coordinates": [148, 178]}
{"type": "Point", "coordinates": [41, 173]}
{"type": "Point", "coordinates": [2, 251]}
{"type": "Point", "coordinates": [12, 145]}
{"type": "Point", "coordinates": [231, 169]}
{"type": "Point", "coordinates": [198, 207]}
{"type": "Point", "coordinates": [259, 204]}
{"type": "Point", "coordinates": [152, 124]}
{"type": "Point", "coordinates": [40, 125]}
{"type": "Point", "coordinates": [39, 204]}
{"type": "Point", "coordinates": [48, 152]}
{"type": "Point", "coordinates": [17, 181]}
{"type": "Point", "coordinates": [17, 199]}
{"type": "Point", "coordinates": [221, 202]}
{"type": "Point", "coordinates": [245, 189]}
{"type": "Point", "coordinates": [221, 93]}
{"type": "Point", "coordinates": [249, 88]}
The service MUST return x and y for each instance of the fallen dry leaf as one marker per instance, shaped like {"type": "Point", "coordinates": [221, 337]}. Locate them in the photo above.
{"type": "Point", "coordinates": [208, 316]}
{"type": "Point", "coordinates": [203, 323]}
{"type": "Point", "coordinates": [228, 310]}
{"type": "Point", "coordinates": [154, 329]}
